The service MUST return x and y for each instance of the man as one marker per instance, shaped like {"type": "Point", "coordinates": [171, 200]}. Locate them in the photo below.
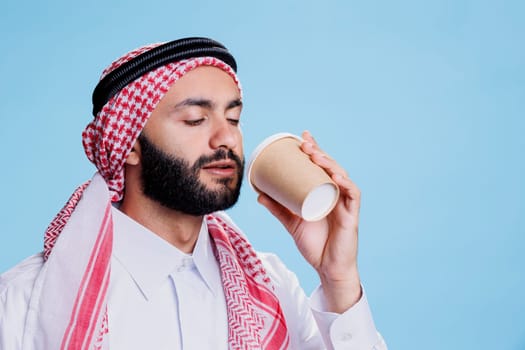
{"type": "Point", "coordinates": [142, 256]}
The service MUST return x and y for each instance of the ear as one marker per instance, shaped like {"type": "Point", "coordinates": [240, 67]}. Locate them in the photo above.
{"type": "Point", "coordinates": [134, 156]}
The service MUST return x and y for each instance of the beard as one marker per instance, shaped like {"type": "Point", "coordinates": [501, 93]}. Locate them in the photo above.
{"type": "Point", "coordinates": [174, 182]}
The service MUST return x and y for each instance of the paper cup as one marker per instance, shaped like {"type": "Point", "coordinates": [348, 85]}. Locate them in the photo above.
{"type": "Point", "coordinates": [280, 169]}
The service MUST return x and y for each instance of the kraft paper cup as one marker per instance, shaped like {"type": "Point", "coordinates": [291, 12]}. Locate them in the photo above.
{"type": "Point", "coordinates": [280, 169]}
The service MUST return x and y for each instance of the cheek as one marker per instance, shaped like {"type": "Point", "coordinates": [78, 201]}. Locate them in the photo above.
{"type": "Point", "coordinates": [240, 145]}
{"type": "Point", "coordinates": [179, 147]}
{"type": "Point", "coordinates": [189, 154]}
{"type": "Point", "coordinates": [178, 143]}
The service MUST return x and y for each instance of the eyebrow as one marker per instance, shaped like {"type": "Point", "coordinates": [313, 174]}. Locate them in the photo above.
{"type": "Point", "coordinates": [199, 102]}
{"type": "Point", "coordinates": [204, 103]}
{"type": "Point", "coordinates": [234, 104]}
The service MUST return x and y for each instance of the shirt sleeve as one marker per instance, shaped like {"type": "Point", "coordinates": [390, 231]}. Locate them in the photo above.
{"type": "Point", "coordinates": [16, 286]}
{"type": "Point", "coordinates": [310, 326]}
{"type": "Point", "coordinates": [353, 329]}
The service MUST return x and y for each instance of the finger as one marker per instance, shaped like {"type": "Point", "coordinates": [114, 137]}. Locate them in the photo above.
{"type": "Point", "coordinates": [307, 136]}
{"type": "Point", "coordinates": [347, 184]}
{"type": "Point", "coordinates": [319, 157]}
{"type": "Point", "coordinates": [328, 164]}
{"type": "Point", "coordinates": [310, 146]}
{"type": "Point", "coordinates": [349, 190]}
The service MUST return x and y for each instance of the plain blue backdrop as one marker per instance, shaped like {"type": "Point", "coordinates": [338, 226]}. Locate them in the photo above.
{"type": "Point", "coordinates": [422, 101]}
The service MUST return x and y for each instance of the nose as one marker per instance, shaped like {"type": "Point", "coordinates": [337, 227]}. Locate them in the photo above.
{"type": "Point", "coordinates": [224, 134]}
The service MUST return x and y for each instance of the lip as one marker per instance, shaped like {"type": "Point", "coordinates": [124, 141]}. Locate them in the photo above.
{"type": "Point", "coordinates": [222, 167]}
{"type": "Point", "coordinates": [223, 164]}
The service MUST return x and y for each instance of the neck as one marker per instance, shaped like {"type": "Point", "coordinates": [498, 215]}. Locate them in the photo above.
{"type": "Point", "coordinates": [178, 229]}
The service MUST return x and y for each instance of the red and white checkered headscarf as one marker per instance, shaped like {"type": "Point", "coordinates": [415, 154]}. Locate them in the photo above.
{"type": "Point", "coordinates": [107, 141]}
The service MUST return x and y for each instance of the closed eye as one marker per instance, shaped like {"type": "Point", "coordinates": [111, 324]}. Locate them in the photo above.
{"type": "Point", "coordinates": [234, 122]}
{"type": "Point", "coordinates": [194, 122]}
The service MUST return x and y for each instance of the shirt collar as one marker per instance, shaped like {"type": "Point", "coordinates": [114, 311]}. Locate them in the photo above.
{"type": "Point", "coordinates": [150, 260]}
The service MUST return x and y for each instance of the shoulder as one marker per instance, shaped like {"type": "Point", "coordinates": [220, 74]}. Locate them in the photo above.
{"type": "Point", "coordinates": [280, 275]}
{"type": "Point", "coordinates": [16, 286]}
{"type": "Point", "coordinates": [272, 262]}
{"type": "Point", "coordinates": [19, 280]}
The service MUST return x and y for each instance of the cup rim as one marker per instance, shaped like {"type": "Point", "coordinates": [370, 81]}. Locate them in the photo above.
{"type": "Point", "coordinates": [267, 141]}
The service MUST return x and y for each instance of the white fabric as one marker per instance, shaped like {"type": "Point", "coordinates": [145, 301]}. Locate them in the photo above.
{"type": "Point", "coordinates": [47, 319]}
{"type": "Point", "coordinates": [161, 298]}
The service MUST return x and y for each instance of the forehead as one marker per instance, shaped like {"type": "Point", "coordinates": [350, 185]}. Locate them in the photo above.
{"type": "Point", "coordinates": [205, 81]}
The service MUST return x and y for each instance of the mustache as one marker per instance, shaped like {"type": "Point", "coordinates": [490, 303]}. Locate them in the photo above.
{"type": "Point", "coordinates": [220, 154]}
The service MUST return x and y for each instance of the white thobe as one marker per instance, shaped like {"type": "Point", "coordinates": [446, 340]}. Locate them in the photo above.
{"type": "Point", "coordinates": [161, 298]}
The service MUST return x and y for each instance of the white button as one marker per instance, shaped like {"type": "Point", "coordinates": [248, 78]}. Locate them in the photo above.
{"type": "Point", "coordinates": [185, 264]}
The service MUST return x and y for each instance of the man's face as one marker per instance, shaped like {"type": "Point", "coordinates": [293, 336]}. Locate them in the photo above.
{"type": "Point", "coordinates": [191, 147]}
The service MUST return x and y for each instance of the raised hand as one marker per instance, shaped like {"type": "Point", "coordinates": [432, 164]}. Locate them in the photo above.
{"type": "Point", "coordinates": [330, 244]}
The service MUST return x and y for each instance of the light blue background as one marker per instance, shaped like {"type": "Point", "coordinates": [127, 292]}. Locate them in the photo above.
{"type": "Point", "coordinates": [422, 101]}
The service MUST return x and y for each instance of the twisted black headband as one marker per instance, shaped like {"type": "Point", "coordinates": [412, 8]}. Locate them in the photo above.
{"type": "Point", "coordinates": [172, 51]}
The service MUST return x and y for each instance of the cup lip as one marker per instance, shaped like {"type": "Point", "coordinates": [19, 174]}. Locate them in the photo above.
{"type": "Point", "coordinates": [267, 141]}
{"type": "Point", "coordinates": [328, 209]}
